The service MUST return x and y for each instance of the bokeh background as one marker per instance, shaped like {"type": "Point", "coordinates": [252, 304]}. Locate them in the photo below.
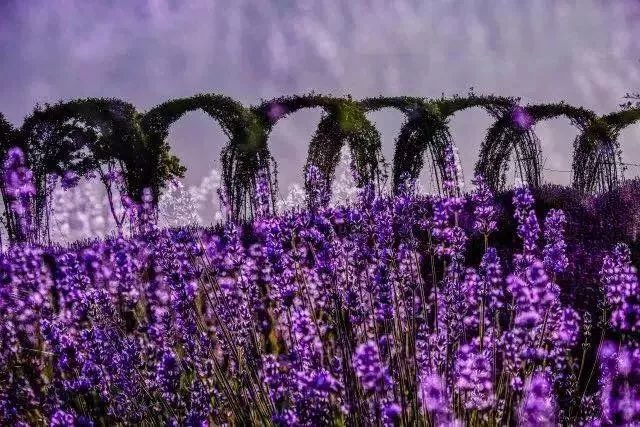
{"type": "Point", "coordinates": [586, 52]}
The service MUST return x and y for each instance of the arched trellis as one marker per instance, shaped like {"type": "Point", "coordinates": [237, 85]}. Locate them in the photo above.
{"type": "Point", "coordinates": [426, 128]}
{"type": "Point", "coordinates": [81, 136]}
{"type": "Point", "coordinates": [343, 122]}
{"type": "Point", "coordinates": [496, 106]}
{"type": "Point", "coordinates": [513, 131]}
{"type": "Point", "coordinates": [246, 152]}
{"type": "Point", "coordinates": [597, 152]}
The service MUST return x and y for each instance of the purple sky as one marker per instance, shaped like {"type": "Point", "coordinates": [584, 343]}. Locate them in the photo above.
{"type": "Point", "coordinates": [583, 51]}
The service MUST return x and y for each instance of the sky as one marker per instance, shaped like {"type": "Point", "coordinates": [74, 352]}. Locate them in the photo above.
{"type": "Point", "coordinates": [586, 52]}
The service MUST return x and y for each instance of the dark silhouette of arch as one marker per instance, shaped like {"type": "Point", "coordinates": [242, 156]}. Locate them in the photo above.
{"type": "Point", "coordinates": [426, 128]}
{"type": "Point", "coordinates": [343, 122]}
{"type": "Point", "coordinates": [418, 133]}
{"type": "Point", "coordinates": [80, 136]}
{"type": "Point", "coordinates": [245, 154]}
{"type": "Point", "coordinates": [513, 131]}
{"type": "Point", "coordinates": [597, 151]}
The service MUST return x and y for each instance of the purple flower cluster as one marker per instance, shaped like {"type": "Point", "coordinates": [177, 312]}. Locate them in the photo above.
{"type": "Point", "coordinates": [555, 249]}
{"type": "Point", "coordinates": [621, 288]}
{"type": "Point", "coordinates": [484, 208]}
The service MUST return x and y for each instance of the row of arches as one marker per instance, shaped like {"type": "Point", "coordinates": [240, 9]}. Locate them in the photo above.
{"type": "Point", "coordinates": [90, 136]}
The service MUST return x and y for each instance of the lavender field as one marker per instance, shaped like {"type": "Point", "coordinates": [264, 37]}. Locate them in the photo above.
{"type": "Point", "coordinates": [477, 307]}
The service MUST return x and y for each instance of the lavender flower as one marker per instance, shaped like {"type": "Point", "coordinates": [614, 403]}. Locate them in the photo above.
{"type": "Point", "coordinates": [69, 180]}
{"type": "Point", "coordinates": [473, 371]}
{"type": "Point", "coordinates": [620, 282]}
{"type": "Point", "coordinates": [521, 118]}
{"type": "Point", "coordinates": [317, 189]}
{"type": "Point", "coordinates": [554, 251]}
{"type": "Point", "coordinates": [538, 406]}
{"type": "Point", "coordinates": [484, 208]}
{"type": "Point", "coordinates": [369, 369]}
{"type": "Point", "coordinates": [433, 394]}
{"type": "Point", "coordinates": [452, 180]}
{"type": "Point", "coordinates": [620, 385]}
{"type": "Point", "coordinates": [263, 194]}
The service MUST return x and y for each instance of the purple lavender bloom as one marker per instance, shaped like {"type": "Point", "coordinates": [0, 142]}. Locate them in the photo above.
{"type": "Point", "coordinates": [168, 373]}
{"type": "Point", "coordinates": [620, 382]}
{"type": "Point", "coordinates": [199, 406]}
{"type": "Point", "coordinates": [473, 371]}
{"type": "Point", "coordinates": [391, 411]}
{"type": "Point", "coordinates": [69, 180]}
{"type": "Point", "coordinates": [452, 179]}
{"type": "Point", "coordinates": [484, 208]}
{"type": "Point", "coordinates": [491, 273]}
{"type": "Point", "coordinates": [528, 229]}
{"type": "Point", "coordinates": [383, 296]}
{"type": "Point", "coordinates": [538, 405]}
{"type": "Point", "coordinates": [474, 292]}
{"type": "Point", "coordinates": [276, 111]}
{"type": "Point", "coordinates": [62, 418]}
{"type": "Point", "coordinates": [451, 239]}
{"type": "Point", "coordinates": [620, 281]}
{"type": "Point", "coordinates": [263, 194]}
{"type": "Point", "coordinates": [554, 251]}
{"type": "Point", "coordinates": [566, 327]}
{"type": "Point", "coordinates": [373, 376]}
{"type": "Point", "coordinates": [306, 340]}
{"type": "Point", "coordinates": [522, 201]}
{"type": "Point", "coordinates": [14, 158]}
{"type": "Point", "coordinates": [274, 376]}
{"type": "Point", "coordinates": [318, 191]}
{"type": "Point", "coordinates": [618, 275]}
{"type": "Point", "coordinates": [20, 190]}
{"type": "Point", "coordinates": [433, 393]}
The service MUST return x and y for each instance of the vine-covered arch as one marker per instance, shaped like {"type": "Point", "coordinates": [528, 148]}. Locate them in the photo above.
{"type": "Point", "coordinates": [513, 131]}
{"type": "Point", "coordinates": [597, 152]}
{"type": "Point", "coordinates": [246, 152]}
{"type": "Point", "coordinates": [426, 128]}
{"type": "Point", "coordinates": [496, 106]}
{"type": "Point", "coordinates": [80, 137]}
{"type": "Point", "coordinates": [343, 121]}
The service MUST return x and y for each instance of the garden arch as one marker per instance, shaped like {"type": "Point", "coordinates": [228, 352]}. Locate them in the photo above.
{"type": "Point", "coordinates": [245, 154]}
{"type": "Point", "coordinates": [513, 131]}
{"type": "Point", "coordinates": [343, 122]}
{"type": "Point", "coordinates": [81, 137]}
